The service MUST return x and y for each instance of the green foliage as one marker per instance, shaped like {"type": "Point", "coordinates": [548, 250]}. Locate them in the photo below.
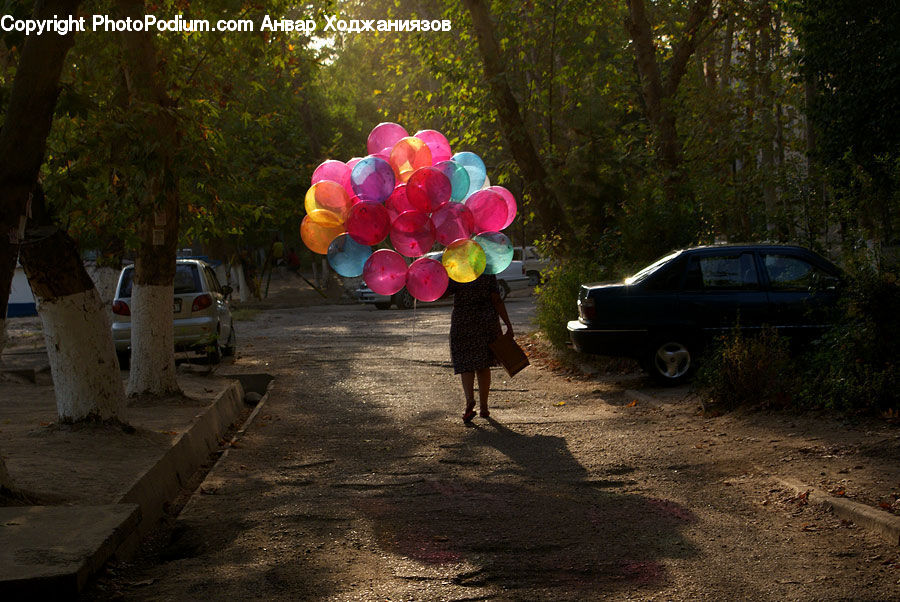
{"type": "Point", "coordinates": [748, 370]}
{"type": "Point", "coordinates": [854, 366]}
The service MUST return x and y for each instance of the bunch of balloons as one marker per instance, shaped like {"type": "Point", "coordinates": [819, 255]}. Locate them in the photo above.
{"type": "Point", "coordinates": [410, 195]}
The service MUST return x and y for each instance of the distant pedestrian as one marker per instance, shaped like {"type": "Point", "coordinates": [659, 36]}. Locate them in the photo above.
{"type": "Point", "coordinates": [474, 324]}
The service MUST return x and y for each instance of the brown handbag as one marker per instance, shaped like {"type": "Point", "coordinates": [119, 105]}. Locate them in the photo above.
{"type": "Point", "coordinates": [509, 354]}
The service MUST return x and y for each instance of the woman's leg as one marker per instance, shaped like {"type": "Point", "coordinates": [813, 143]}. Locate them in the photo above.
{"type": "Point", "coordinates": [468, 385]}
{"type": "Point", "coordinates": [484, 389]}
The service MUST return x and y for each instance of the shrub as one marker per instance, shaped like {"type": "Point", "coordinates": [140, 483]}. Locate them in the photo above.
{"type": "Point", "coordinates": [557, 296]}
{"type": "Point", "coordinates": [748, 370]}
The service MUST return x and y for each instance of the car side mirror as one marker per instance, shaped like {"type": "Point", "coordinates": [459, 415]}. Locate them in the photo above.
{"type": "Point", "coordinates": [227, 290]}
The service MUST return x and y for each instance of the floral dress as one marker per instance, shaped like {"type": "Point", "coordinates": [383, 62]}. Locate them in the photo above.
{"type": "Point", "coordinates": [474, 324]}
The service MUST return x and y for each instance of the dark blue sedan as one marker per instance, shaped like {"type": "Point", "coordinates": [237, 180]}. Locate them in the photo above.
{"type": "Point", "coordinates": [665, 314]}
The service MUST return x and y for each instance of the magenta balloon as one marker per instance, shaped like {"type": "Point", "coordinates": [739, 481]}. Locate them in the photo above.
{"type": "Point", "coordinates": [452, 222]}
{"type": "Point", "coordinates": [398, 202]}
{"type": "Point", "coordinates": [440, 148]}
{"type": "Point", "coordinates": [385, 272]}
{"type": "Point", "coordinates": [336, 171]}
{"type": "Point", "coordinates": [489, 210]}
{"type": "Point", "coordinates": [427, 189]}
{"type": "Point", "coordinates": [384, 136]}
{"type": "Point", "coordinates": [511, 207]}
{"type": "Point", "coordinates": [426, 279]}
{"type": "Point", "coordinates": [412, 233]}
{"type": "Point", "coordinates": [368, 223]}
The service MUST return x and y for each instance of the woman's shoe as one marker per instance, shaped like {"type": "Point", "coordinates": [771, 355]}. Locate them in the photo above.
{"type": "Point", "coordinates": [468, 416]}
{"type": "Point", "coordinates": [484, 413]}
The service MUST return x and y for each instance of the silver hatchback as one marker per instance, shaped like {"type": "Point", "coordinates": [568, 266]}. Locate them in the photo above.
{"type": "Point", "coordinates": [202, 318]}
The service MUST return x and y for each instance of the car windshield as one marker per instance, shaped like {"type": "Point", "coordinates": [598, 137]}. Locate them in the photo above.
{"type": "Point", "coordinates": [643, 274]}
{"type": "Point", "coordinates": [187, 280]}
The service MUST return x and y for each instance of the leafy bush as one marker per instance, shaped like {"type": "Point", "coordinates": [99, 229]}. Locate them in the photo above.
{"type": "Point", "coordinates": [854, 365]}
{"type": "Point", "coordinates": [749, 370]}
{"type": "Point", "coordinates": [557, 297]}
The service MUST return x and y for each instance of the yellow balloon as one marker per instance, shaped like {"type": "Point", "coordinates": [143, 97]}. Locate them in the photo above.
{"type": "Point", "coordinates": [328, 196]}
{"type": "Point", "coordinates": [464, 260]}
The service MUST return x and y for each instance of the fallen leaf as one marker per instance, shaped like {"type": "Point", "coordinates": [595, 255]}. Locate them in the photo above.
{"type": "Point", "coordinates": [632, 404]}
{"type": "Point", "coordinates": [561, 403]}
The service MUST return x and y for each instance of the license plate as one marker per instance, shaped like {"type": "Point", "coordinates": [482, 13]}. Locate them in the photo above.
{"type": "Point", "coordinates": [177, 306]}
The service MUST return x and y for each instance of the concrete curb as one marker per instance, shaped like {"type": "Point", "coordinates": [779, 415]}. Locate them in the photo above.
{"type": "Point", "coordinates": [160, 484]}
{"type": "Point", "coordinates": [882, 523]}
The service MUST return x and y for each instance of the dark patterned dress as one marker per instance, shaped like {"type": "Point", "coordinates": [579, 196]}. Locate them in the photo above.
{"type": "Point", "coordinates": [474, 324]}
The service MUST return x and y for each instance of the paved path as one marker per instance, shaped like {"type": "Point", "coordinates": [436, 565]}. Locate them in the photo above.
{"type": "Point", "coordinates": [358, 480]}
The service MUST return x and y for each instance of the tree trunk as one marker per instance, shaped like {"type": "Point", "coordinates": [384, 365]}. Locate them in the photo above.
{"type": "Point", "coordinates": [549, 209]}
{"type": "Point", "coordinates": [86, 377]}
{"type": "Point", "coordinates": [658, 91]}
{"type": "Point", "coordinates": [5, 480]}
{"type": "Point", "coordinates": [23, 138]}
{"type": "Point", "coordinates": [152, 334]}
{"type": "Point", "coordinates": [767, 119]}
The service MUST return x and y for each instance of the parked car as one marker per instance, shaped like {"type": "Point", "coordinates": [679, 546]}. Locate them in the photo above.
{"type": "Point", "coordinates": [533, 265]}
{"type": "Point", "coordinates": [202, 319]}
{"type": "Point", "coordinates": [665, 314]}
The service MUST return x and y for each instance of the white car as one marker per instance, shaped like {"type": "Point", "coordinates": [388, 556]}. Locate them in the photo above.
{"type": "Point", "coordinates": [202, 319]}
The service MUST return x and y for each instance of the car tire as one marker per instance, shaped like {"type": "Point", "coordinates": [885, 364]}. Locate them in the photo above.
{"type": "Point", "coordinates": [213, 350]}
{"type": "Point", "coordinates": [534, 278]}
{"type": "Point", "coordinates": [404, 300]}
{"type": "Point", "coordinates": [229, 349]}
{"type": "Point", "coordinates": [124, 359]}
{"type": "Point", "coordinates": [671, 359]}
{"type": "Point", "coordinates": [504, 289]}
{"type": "Point", "coordinates": [383, 305]}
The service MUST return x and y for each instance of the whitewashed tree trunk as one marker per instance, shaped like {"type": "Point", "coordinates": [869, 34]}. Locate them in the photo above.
{"type": "Point", "coordinates": [152, 341]}
{"type": "Point", "coordinates": [83, 363]}
{"type": "Point", "coordinates": [237, 276]}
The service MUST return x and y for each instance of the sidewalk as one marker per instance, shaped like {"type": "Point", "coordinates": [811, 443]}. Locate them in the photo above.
{"type": "Point", "coordinates": [92, 491]}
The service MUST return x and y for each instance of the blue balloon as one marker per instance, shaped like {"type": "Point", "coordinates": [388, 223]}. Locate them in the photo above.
{"type": "Point", "coordinates": [372, 179]}
{"type": "Point", "coordinates": [459, 179]}
{"type": "Point", "coordinates": [347, 257]}
{"type": "Point", "coordinates": [474, 167]}
{"type": "Point", "coordinates": [498, 250]}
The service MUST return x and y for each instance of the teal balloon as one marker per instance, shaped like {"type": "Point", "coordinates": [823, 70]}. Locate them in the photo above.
{"type": "Point", "coordinates": [347, 257]}
{"type": "Point", "coordinates": [475, 168]}
{"type": "Point", "coordinates": [498, 250]}
{"type": "Point", "coordinates": [459, 179]}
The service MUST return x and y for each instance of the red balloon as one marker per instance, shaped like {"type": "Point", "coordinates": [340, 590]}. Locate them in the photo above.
{"type": "Point", "coordinates": [385, 272]}
{"type": "Point", "coordinates": [510, 203]}
{"type": "Point", "coordinates": [427, 189]}
{"type": "Point", "coordinates": [412, 233]}
{"type": "Point", "coordinates": [398, 202]}
{"type": "Point", "coordinates": [437, 143]}
{"type": "Point", "coordinates": [489, 210]}
{"type": "Point", "coordinates": [452, 222]}
{"type": "Point", "coordinates": [368, 223]}
{"type": "Point", "coordinates": [426, 279]}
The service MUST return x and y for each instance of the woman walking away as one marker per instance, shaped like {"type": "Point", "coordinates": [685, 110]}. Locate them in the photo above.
{"type": "Point", "coordinates": [474, 324]}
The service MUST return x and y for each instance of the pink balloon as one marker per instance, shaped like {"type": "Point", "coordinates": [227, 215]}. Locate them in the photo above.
{"type": "Point", "coordinates": [352, 163]}
{"type": "Point", "coordinates": [440, 148]}
{"type": "Point", "coordinates": [489, 210]}
{"type": "Point", "coordinates": [510, 203]}
{"type": "Point", "coordinates": [384, 136]}
{"type": "Point", "coordinates": [336, 171]}
{"type": "Point", "coordinates": [398, 202]}
{"type": "Point", "coordinates": [427, 189]}
{"type": "Point", "coordinates": [412, 233]}
{"type": "Point", "coordinates": [426, 279]}
{"type": "Point", "coordinates": [452, 222]}
{"type": "Point", "coordinates": [368, 223]}
{"type": "Point", "coordinates": [385, 272]}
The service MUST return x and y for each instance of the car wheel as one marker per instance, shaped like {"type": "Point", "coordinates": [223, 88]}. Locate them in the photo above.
{"type": "Point", "coordinates": [671, 360]}
{"type": "Point", "coordinates": [404, 300]}
{"type": "Point", "coordinates": [213, 350]}
{"type": "Point", "coordinates": [534, 278]}
{"type": "Point", "coordinates": [383, 305]}
{"type": "Point", "coordinates": [504, 289]}
{"type": "Point", "coordinates": [229, 348]}
{"type": "Point", "coordinates": [124, 359]}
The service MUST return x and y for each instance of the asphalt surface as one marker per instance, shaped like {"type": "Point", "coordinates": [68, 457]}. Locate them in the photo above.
{"type": "Point", "coordinates": [358, 480]}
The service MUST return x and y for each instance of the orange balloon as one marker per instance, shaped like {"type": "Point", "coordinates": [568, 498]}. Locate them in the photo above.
{"type": "Point", "coordinates": [408, 155]}
{"type": "Point", "coordinates": [328, 196]}
{"type": "Point", "coordinates": [318, 229]}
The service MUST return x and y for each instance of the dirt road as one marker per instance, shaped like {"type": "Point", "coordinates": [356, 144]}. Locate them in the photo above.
{"type": "Point", "coordinates": [358, 481]}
